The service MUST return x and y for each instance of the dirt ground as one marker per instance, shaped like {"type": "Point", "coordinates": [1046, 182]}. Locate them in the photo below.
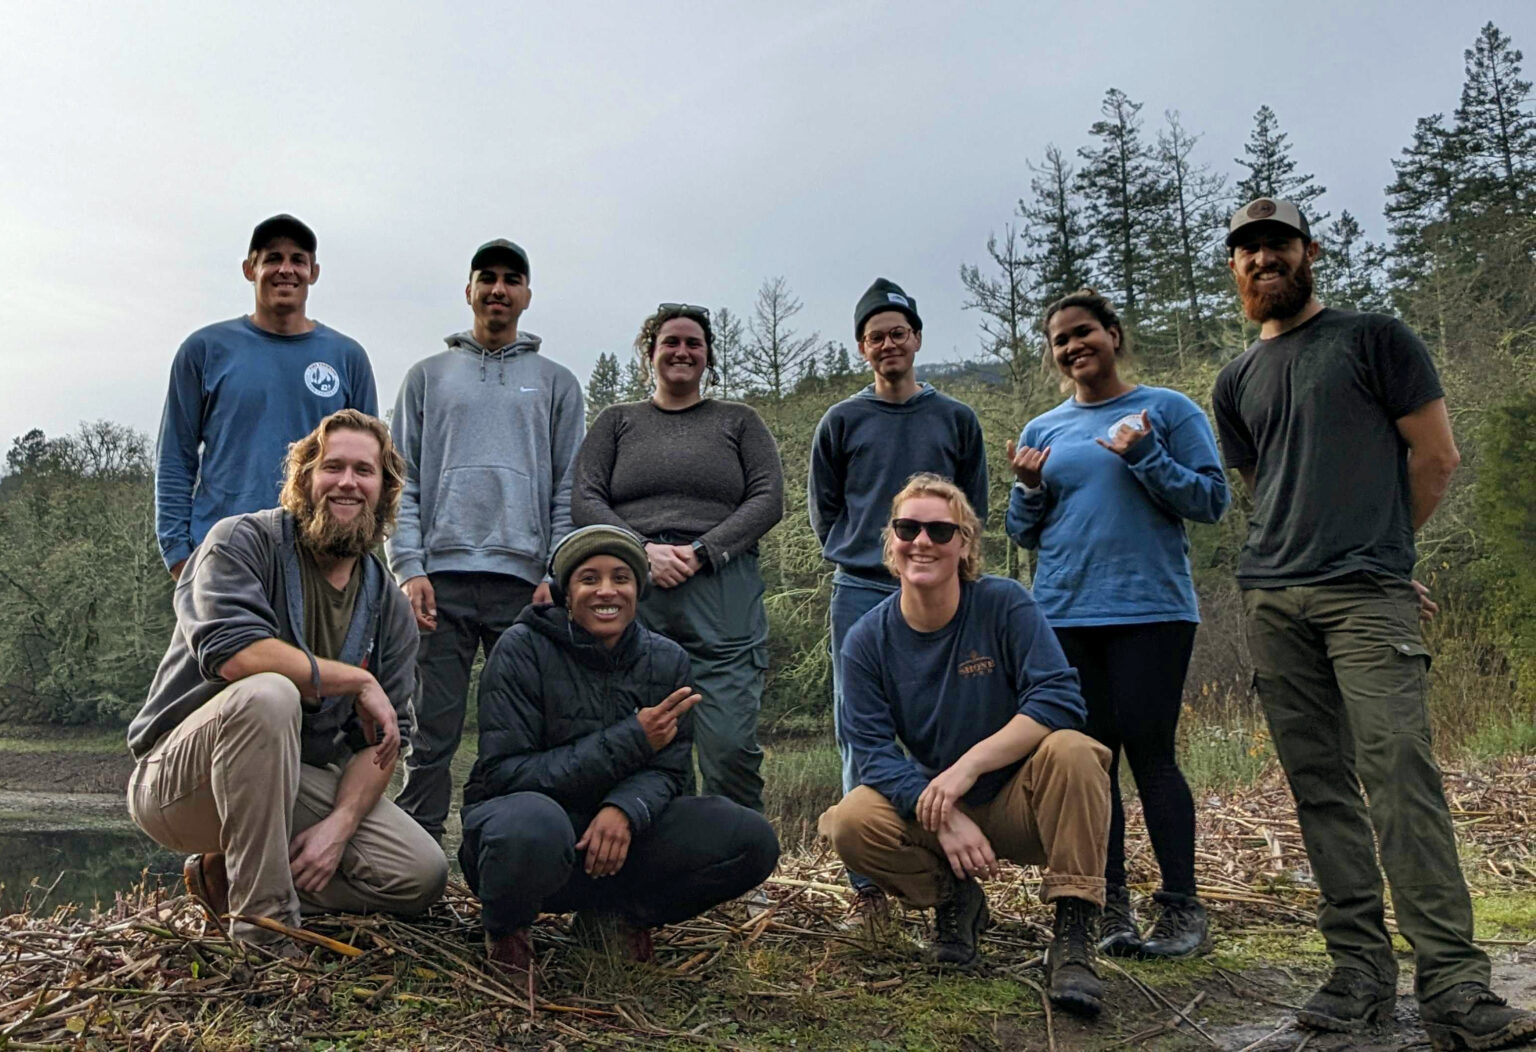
{"type": "Point", "coordinates": [72, 772]}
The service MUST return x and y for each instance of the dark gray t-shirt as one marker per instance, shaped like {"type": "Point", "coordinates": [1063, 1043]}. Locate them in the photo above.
{"type": "Point", "coordinates": [1313, 413]}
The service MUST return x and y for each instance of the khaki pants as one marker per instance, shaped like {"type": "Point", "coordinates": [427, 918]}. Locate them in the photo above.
{"type": "Point", "coordinates": [1053, 812]}
{"type": "Point", "coordinates": [228, 779]}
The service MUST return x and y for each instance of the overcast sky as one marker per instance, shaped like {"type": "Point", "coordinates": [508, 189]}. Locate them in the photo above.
{"type": "Point", "coordinates": [639, 152]}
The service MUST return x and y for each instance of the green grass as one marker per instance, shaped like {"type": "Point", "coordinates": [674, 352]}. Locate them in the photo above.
{"type": "Point", "coordinates": [46, 739]}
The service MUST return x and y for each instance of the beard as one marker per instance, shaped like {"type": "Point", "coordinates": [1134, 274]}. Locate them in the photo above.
{"type": "Point", "coordinates": [1285, 300]}
{"type": "Point", "coordinates": [326, 536]}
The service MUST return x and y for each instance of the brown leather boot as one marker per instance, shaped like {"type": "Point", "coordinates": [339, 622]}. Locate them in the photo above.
{"type": "Point", "coordinates": [208, 881]}
{"type": "Point", "coordinates": [512, 956]}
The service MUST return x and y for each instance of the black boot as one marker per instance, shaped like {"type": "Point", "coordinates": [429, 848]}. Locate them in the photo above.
{"type": "Point", "coordinates": [1074, 984]}
{"type": "Point", "coordinates": [959, 918]}
{"type": "Point", "coordinates": [1348, 1002]}
{"type": "Point", "coordinates": [1118, 936]}
{"type": "Point", "coordinates": [1181, 929]}
{"type": "Point", "coordinates": [1469, 1015]}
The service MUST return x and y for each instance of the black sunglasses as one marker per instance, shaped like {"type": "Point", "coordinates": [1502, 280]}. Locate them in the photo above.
{"type": "Point", "coordinates": [689, 307]}
{"type": "Point", "coordinates": [938, 532]}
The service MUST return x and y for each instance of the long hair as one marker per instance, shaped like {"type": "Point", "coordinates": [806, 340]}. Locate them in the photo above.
{"type": "Point", "coordinates": [304, 457]}
{"type": "Point", "coordinates": [927, 484]}
{"type": "Point", "coordinates": [650, 330]}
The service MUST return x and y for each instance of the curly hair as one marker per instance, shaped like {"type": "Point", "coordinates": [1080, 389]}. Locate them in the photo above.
{"type": "Point", "coordinates": [927, 484]}
{"type": "Point", "coordinates": [650, 330]}
{"type": "Point", "coordinates": [304, 457]}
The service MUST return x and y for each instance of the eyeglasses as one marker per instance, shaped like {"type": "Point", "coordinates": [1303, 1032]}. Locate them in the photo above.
{"type": "Point", "coordinates": [687, 307]}
{"type": "Point", "coordinates": [938, 532]}
{"type": "Point", "coordinates": [896, 335]}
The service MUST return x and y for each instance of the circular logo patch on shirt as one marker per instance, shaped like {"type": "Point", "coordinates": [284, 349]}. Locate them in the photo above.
{"type": "Point", "coordinates": [1131, 422]}
{"type": "Point", "coordinates": [321, 379]}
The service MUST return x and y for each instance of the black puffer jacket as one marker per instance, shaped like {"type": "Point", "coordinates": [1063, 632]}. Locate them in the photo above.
{"type": "Point", "coordinates": [557, 716]}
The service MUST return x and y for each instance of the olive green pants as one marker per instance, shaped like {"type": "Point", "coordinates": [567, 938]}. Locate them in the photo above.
{"type": "Point", "coordinates": [1342, 672]}
{"type": "Point", "coordinates": [718, 617]}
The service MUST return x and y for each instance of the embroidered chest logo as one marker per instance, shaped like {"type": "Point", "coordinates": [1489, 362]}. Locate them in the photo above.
{"type": "Point", "coordinates": [976, 665]}
{"type": "Point", "coordinates": [321, 379]}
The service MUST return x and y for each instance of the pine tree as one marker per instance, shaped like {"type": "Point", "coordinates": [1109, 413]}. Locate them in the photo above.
{"type": "Point", "coordinates": [1005, 305]}
{"type": "Point", "coordinates": [1350, 269]}
{"type": "Point", "coordinates": [729, 334]}
{"type": "Point", "coordinates": [1495, 121]}
{"type": "Point", "coordinates": [1272, 171]}
{"type": "Point", "coordinates": [1120, 192]}
{"type": "Point", "coordinates": [1055, 229]}
{"type": "Point", "coordinates": [836, 363]}
{"type": "Point", "coordinates": [637, 384]}
{"type": "Point", "coordinates": [775, 355]}
{"type": "Point", "coordinates": [602, 385]}
{"type": "Point", "coordinates": [1189, 276]}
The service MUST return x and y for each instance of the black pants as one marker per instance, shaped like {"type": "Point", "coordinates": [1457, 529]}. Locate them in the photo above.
{"type": "Point", "coordinates": [519, 855]}
{"type": "Point", "coordinates": [1133, 682]}
{"type": "Point", "coordinates": [473, 610]}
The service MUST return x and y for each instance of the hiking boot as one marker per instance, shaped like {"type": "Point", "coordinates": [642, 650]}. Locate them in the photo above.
{"type": "Point", "coordinates": [512, 956]}
{"type": "Point", "coordinates": [958, 919]}
{"type": "Point", "coordinates": [1469, 1015]}
{"type": "Point", "coordinates": [611, 933]}
{"type": "Point", "coordinates": [207, 881]}
{"type": "Point", "coordinates": [1181, 929]}
{"type": "Point", "coordinates": [1118, 936]}
{"type": "Point", "coordinates": [870, 910]}
{"type": "Point", "coordinates": [1073, 980]}
{"type": "Point", "coordinates": [1348, 1002]}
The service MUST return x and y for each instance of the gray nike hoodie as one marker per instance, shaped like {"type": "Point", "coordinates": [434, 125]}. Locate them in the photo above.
{"type": "Point", "coordinates": [489, 440]}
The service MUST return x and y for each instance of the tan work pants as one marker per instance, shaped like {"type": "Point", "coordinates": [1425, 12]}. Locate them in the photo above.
{"type": "Point", "coordinates": [228, 779]}
{"type": "Point", "coordinates": [1054, 812]}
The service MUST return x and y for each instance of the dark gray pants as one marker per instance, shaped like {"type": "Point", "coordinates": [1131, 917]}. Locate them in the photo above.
{"type": "Point", "coordinates": [1341, 669]}
{"type": "Point", "coordinates": [519, 855]}
{"type": "Point", "coordinates": [718, 617]}
{"type": "Point", "coordinates": [473, 610]}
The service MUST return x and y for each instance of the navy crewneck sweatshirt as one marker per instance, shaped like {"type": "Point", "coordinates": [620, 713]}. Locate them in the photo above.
{"type": "Point", "coordinates": [866, 448]}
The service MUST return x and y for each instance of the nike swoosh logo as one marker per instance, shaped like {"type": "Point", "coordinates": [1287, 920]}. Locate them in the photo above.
{"type": "Point", "coordinates": [521, 388]}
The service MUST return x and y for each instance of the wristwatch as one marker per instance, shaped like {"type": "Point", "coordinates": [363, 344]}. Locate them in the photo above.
{"type": "Point", "coordinates": [700, 552]}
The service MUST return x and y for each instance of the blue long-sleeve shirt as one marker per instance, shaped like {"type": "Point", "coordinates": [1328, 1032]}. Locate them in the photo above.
{"type": "Point", "coordinates": [238, 396]}
{"type": "Point", "coordinates": [1110, 529]}
{"type": "Point", "coordinates": [863, 452]}
{"type": "Point", "coordinates": [914, 702]}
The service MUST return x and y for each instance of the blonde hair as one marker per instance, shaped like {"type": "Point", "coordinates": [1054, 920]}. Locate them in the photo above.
{"type": "Point", "coordinates": [304, 457]}
{"type": "Point", "coordinates": [927, 484]}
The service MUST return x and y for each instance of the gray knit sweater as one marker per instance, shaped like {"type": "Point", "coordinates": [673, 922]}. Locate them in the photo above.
{"type": "Point", "coordinates": [709, 472]}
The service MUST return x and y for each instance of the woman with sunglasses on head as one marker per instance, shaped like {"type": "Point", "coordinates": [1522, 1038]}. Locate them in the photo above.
{"type": "Point", "coordinates": [699, 478]}
{"type": "Point", "coordinates": [1104, 483]}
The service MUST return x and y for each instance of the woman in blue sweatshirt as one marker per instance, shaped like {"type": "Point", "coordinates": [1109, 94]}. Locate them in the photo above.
{"type": "Point", "coordinates": [1104, 483]}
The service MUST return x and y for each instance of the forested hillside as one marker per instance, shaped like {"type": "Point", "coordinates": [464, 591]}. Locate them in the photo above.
{"type": "Point", "coordinates": [1138, 210]}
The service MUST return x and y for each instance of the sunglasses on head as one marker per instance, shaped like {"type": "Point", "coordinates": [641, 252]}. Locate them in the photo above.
{"type": "Point", "coordinates": [938, 532]}
{"type": "Point", "coordinates": [687, 307]}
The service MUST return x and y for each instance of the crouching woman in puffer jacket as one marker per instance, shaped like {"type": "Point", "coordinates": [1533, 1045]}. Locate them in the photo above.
{"type": "Point", "coordinates": [578, 799]}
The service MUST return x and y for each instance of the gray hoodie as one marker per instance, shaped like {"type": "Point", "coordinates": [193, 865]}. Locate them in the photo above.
{"type": "Point", "coordinates": [240, 586]}
{"type": "Point", "coordinates": [489, 440]}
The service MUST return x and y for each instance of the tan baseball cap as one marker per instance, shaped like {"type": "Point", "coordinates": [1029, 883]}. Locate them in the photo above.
{"type": "Point", "coordinates": [1267, 210]}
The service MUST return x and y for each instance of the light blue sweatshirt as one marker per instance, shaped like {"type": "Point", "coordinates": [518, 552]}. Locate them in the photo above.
{"type": "Point", "coordinates": [489, 440]}
{"type": "Point", "coordinates": [1110, 529]}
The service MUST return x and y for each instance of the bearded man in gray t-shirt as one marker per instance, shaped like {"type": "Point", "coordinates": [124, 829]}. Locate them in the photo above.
{"type": "Point", "coordinates": [1337, 423]}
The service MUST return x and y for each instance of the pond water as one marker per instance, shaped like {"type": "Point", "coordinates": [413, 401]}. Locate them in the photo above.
{"type": "Point", "coordinates": [80, 845]}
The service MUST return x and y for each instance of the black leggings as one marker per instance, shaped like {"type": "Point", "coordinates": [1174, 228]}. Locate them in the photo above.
{"type": "Point", "coordinates": [1133, 682]}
